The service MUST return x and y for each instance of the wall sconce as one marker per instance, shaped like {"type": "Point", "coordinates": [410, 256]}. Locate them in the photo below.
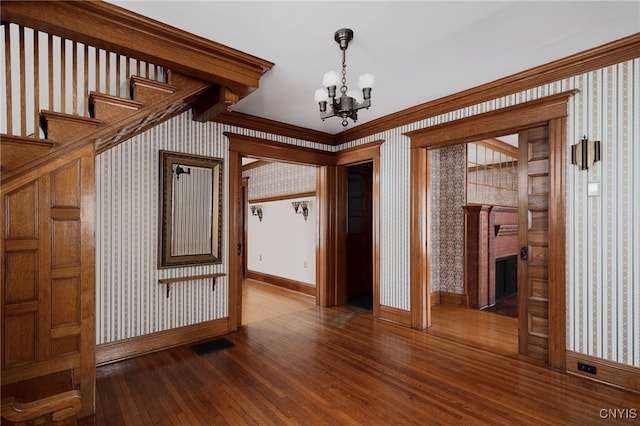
{"type": "Point", "coordinates": [301, 207]}
{"type": "Point", "coordinates": [179, 170]}
{"type": "Point", "coordinates": [585, 153]}
{"type": "Point", "coordinates": [257, 211]}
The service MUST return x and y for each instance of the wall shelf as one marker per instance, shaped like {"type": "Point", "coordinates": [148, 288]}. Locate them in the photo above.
{"type": "Point", "coordinates": [169, 281]}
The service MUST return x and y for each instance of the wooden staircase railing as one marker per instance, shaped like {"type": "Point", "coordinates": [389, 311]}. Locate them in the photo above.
{"type": "Point", "coordinates": [46, 72]}
{"type": "Point", "coordinates": [74, 74]}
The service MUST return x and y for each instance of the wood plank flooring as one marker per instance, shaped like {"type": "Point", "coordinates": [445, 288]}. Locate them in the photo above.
{"type": "Point", "coordinates": [338, 366]}
{"type": "Point", "coordinates": [262, 301]}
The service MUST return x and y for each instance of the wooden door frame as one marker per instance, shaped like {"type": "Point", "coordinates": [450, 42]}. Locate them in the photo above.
{"type": "Point", "coordinates": [550, 111]}
{"type": "Point", "coordinates": [331, 235]}
{"type": "Point", "coordinates": [369, 152]}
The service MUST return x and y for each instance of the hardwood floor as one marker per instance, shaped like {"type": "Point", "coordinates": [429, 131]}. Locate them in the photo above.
{"type": "Point", "coordinates": [480, 329]}
{"type": "Point", "coordinates": [262, 301]}
{"type": "Point", "coordinates": [316, 366]}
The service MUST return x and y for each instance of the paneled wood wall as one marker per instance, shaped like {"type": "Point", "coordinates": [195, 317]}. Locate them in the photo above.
{"type": "Point", "coordinates": [48, 251]}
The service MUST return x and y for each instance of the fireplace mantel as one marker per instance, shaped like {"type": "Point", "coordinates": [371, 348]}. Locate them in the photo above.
{"type": "Point", "coordinates": [491, 232]}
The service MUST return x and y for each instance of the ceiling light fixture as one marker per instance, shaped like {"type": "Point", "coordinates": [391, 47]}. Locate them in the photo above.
{"type": "Point", "coordinates": [350, 101]}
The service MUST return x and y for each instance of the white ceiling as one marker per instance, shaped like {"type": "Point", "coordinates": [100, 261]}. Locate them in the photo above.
{"type": "Point", "coordinates": [418, 50]}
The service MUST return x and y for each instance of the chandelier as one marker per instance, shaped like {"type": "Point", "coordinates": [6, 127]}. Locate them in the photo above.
{"type": "Point", "coordinates": [350, 101]}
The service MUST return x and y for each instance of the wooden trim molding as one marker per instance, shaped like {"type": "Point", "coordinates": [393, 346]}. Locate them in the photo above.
{"type": "Point", "coordinates": [434, 298]}
{"type": "Point", "coordinates": [392, 314]}
{"type": "Point", "coordinates": [238, 119]}
{"type": "Point", "coordinates": [609, 372]}
{"type": "Point", "coordinates": [557, 242]}
{"type": "Point", "coordinates": [442, 297]}
{"type": "Point", "coordinates": [369, 152]}
{"type": "Point", "coordinates": [452, 299]}
{"type": "Point", "coordinates": [236, 249]}
{"type": "Point", "coordinates": [270, 150]}
{"type": "Point", "coordinates": [255, 165]}
{"type": "Point", "coordinates": [135, 346]}
{"type": "Point", "coordinates": [500, 146]}
{"type": "Point", "coordinates": [420, 267]}
{"type": "Point", "coordinates": [294, 285]}
{"type": "Point", "coordinates": [283, 197]}
{"type": "Point", "coordinates": [330, 191]}
{"type": "Point", "coordinates": [359, 153]}
{"type": "Point", "coordinates": [493, 123]}
{"type": "Point", "coordinates": [330, 274]}
{"type": "Point", "coordinates": [599, 57]}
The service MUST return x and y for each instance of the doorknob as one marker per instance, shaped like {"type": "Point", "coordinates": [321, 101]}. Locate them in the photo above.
{"type": "Point", "coordinates": [524, 252]}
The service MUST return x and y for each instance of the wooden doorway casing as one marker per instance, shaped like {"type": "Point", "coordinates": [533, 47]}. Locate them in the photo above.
{"type": "Point", "coordinates": [363, 154]}
{"type": "Point", "coordinates": [331, 234]}
{"type": "Point", "coordinates": [550, 111]}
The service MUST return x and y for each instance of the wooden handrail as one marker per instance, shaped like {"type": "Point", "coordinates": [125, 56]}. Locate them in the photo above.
{"type": "Point", "coordinates": [113, 28]}
{"type": "Point", "coordinates": [60, 406]}
{"type": "Point", "coordinates": [169, 281]}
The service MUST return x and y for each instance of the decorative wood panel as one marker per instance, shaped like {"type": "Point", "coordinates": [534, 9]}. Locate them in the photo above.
{"type": "Point", "coordinates": [21, 266]}
{"type": "Point", "coordinates": [48, 258]}
{"type": "Point", "coordinates": [533, 180]}
{"type": "Point", "coordinates": [65, 243]}
{"type": "Point", "coordinates": [65, 186]}
{"type": "Point", "coordinates": [65, 346]}
{"type": "Point", "coordinates": [65, 302]}
{"type": "Point", "coordinates": [20, 337]}
{"type": "Point", "coordinates": [22, 212]}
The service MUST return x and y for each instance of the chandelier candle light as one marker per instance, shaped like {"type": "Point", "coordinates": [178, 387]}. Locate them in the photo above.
{"type": "Point", "coordinates": [350, 101]}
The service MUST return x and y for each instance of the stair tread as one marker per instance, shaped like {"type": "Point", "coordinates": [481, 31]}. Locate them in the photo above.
{"type": "Point", "coordinates": [28, 140]}
{"type": "Point", "coordinates": [69, 117]}
{"type": "Point", "coordinates": [142, 81]}
{"type": "Point", "coordinates": [115, 100]}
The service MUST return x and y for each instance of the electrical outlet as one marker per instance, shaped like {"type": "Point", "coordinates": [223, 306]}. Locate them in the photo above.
{"type": "Point", "coordinates": [306, 265]}
{"type": "Point", "coordinates": [260, 258]}
{"type": "Point", "coordinates": [586, 368]}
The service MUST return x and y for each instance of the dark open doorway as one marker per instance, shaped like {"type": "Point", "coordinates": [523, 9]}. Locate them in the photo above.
{"type": "Point", "coordinates": [359, 261]}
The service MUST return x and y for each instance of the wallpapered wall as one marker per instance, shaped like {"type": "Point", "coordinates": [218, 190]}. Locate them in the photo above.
{"type": "Point", "coordinates": [603, 233]}
{"type": "Point", "coordinates": [129, 300]}
{"type": "Point", "coordinates": [448, 173]}
{"type": "Point", "coordinates": [276, 179]}
{"type": "Point", "coordinates": [603, 240]}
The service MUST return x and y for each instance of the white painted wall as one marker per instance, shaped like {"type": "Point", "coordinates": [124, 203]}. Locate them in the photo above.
{"type": "Point", "coordinates": [283, 243]}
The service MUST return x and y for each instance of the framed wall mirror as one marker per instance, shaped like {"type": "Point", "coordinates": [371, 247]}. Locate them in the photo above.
{"type": "Point", "coordinates": [190, 210]}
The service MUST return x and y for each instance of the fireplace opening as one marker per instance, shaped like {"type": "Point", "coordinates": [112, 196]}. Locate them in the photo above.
{"type": "Point", "coordinates": [506, 277]}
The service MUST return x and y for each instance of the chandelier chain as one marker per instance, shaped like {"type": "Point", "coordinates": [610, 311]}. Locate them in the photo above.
{"type": "Point", "coordinates": [343, 89]}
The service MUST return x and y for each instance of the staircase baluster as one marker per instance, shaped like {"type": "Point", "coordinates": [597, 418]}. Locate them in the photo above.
{"type": "Point", "coordinates": [7, 61]}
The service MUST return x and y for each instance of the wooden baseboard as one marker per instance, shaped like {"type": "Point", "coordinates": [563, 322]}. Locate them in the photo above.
{"type": "Point", "coordinates": [610, 372]}
{"type": "Point", "coordinates": [438, 297]}
{"type": "Point", "coordinates": [395, 315]}
{"type": "Point", "coordinates": [129, 348]}
{"type": "Point", "coordinates": [435, 298]}
{"type": "Point", "coordinates": [283, 282]}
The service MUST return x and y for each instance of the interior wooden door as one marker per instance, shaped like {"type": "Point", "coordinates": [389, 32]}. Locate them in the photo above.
{"type": "Point", "coordinates": [533, 263]}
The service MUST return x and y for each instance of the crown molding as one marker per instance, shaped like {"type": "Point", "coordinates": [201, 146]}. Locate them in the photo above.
{"type": "Point", "coordinates": [589, 60]}
{"type": "Point", "coordinates": [260, 124]}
